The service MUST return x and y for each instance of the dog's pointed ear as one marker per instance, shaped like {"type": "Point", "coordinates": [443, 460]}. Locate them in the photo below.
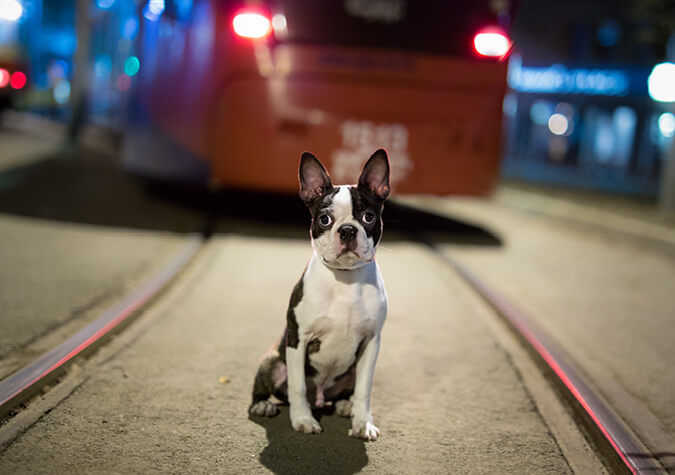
{"type": "Point", "coordinates": [314, 179]}
{"type": "Point", "coordinates": [374, 177]}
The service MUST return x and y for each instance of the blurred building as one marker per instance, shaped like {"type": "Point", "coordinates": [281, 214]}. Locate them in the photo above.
{"type": "Point", "coordinates": [578, 110]}
{"type": "Point", "coordinates": [46, 35]}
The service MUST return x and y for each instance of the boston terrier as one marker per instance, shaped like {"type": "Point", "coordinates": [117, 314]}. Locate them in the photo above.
{"type": "Point", "coordinates": [332, 337]}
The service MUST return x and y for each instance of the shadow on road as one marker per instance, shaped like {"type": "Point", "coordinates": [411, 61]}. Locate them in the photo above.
{"type": "Point", "coordinates": [290, 452]}
{"type": "Point", "coordinates": [90, 191]}
{"type": "Point", "coordinates": [96, 191]}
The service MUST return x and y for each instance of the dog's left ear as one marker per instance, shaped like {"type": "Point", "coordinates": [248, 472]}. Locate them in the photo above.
{"type": "Point", "coordinates": [374, 177]}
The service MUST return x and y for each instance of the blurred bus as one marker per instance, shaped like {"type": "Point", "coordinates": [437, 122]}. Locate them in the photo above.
{"type": "Point", "coordinates": [234, 92]}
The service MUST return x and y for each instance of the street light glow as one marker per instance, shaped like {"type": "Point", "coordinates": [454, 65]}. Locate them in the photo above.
{"type": "Point", "coordinates": [154, 9]}
{"type": "Point", "coordinates": [558, 124]}
{"type": "Point", "coordinates": [10, 10]}
{"type": "Point", "coordinates": [661, 82]}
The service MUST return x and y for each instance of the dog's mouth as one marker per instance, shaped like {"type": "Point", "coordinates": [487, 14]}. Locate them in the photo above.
{"type": "Point", "coordinates": [347, 259]}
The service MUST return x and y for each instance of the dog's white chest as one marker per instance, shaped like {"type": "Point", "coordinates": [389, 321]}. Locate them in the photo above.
{"type": "Point", "coordinates": [337, 315]}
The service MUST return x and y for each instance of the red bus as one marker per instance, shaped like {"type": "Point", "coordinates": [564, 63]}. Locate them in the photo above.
{"type": "Point", "coordinates": [234, 92]}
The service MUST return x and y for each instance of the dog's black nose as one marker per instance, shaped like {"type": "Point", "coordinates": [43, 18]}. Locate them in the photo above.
{"type": "Point", "coordinates": [347, 232]}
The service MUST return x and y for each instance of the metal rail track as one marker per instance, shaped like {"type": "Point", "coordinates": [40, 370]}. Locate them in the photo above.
{"type": "Point", "coordinates": [30, 380]}
{"type": "Point", "coordinates": [621, 449]}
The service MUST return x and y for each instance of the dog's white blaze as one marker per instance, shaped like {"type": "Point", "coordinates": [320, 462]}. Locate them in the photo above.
{"type": "Point", "coordinates": [328, 245]}
{"type": "Point", "coordinates": [342, 206]}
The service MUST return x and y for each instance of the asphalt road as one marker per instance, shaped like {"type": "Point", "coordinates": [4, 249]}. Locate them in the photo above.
{"type": "Point", "coordinates": [447, 395]}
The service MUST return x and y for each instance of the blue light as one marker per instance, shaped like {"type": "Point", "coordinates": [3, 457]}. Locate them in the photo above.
{"type": "Point", "coordinates": [154, 10]}
{"type": "Point", "coordinates": [183, 7]}
{"type": "Point", "coordinates": [558, 79]}
{"type": "Point", "coordinates": [104, 4]}
{"type": "Point", "coordinates": [130, 28]}
{"type": "Point", "coordinates": [540, 111]}
{"type": "Point", "coordinates": [609, 33]}
{"type": "Point", "coordinates": [60, 42]}
{"type": "Point", "coordinates": [666, 124]}
{"type": "Point", "coordinates": [102, 66]}
{"type": "Point", "coordinates": [57, 70]}
{"type": "Point", "coordinates": [510, 105]}
{"type": "Point", "coordinates": [62, 92]}
{"type": "Point", "coordinates": [131, 66]}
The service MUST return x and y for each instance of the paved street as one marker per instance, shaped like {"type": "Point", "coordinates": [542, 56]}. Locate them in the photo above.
{"type": "Point", "coordinates": [446, 396]}
{"type": "Point", "coordinates": [454, 391]}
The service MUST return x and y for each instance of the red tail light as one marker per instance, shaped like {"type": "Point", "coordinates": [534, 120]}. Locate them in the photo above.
{"type": "Point", "coordinates": [4, 77]}
{"type": "Point", "coordinates": [492, 42]}
{"type": "Point", "coordinates": [18, 80]}
{"type": "Point", "coordinates": [251, 24]}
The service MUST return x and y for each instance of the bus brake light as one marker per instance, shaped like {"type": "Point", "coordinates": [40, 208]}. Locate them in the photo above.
{"type": "Point", "coordinates": [492, 42]}
{"type": "Point", "coordinates": [251, 24]}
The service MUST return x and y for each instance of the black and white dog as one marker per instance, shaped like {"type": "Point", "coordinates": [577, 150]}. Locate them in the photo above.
{"type": "Point", "coordinates": [337, 309]}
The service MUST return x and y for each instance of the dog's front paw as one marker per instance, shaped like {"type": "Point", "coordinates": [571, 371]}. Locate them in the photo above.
{"type": "Point", "coordinates": [364, 429]}
{"type": "Point", "coordinates": [305, 423]}
{"type": "Point", "coordinates": [308, 425]}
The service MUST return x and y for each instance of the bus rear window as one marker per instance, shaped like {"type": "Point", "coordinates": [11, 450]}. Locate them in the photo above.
{"type": "Point", "coordinates": [433, 26]}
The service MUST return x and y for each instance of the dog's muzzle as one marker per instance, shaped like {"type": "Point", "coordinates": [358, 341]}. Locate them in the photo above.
{"type": "Point", "coordinates": [347, 233]}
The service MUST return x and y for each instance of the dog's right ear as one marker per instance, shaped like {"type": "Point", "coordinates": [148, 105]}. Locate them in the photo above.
{"type": "Point", "coordinates": [314, 179]}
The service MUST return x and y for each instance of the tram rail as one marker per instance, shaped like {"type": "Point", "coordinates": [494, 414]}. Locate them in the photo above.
{"type": "Point", "coordinates": [620, 448]}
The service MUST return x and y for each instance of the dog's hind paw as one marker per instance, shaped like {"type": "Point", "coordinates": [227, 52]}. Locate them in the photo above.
{"type": "Point", "coordinates": [343, 408]}
{"type": "Point", "coordinates": [264, 408]}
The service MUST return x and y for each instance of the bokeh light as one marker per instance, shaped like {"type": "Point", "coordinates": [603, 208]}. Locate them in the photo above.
{"type": "Point", "coordinates": [123, 82]}
{"type": "Point", "coordinates": [18, 80]}
{"type": "Point", "coordinates": [105, 4]}
{"type": "Point", "coordinates": [4, 77]}
{"type": "Point", "coordinates": [251, 25]}
{"type": "Point", "coordinates": [667, 124]}
{"type": "Point", "coordinates": [10, 10]}
{"type": "Point", "coordinates": [661, 82]}
{"type": "Point", "coordinates": [558, 124]}
{"type": "Point", "coordinates": [131, 66]}
{"type": "Point", "coordinates": [62, 92]}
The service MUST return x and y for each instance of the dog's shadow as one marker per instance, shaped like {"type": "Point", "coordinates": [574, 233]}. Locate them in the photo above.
{"type": "Point", "coordinates": [291, 452]}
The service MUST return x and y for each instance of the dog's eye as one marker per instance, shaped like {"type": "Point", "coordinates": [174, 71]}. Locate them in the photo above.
{"type": "Point", "coordinates": [368, 217]}
{"type": "Point", "coordinates": [325, 220]}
